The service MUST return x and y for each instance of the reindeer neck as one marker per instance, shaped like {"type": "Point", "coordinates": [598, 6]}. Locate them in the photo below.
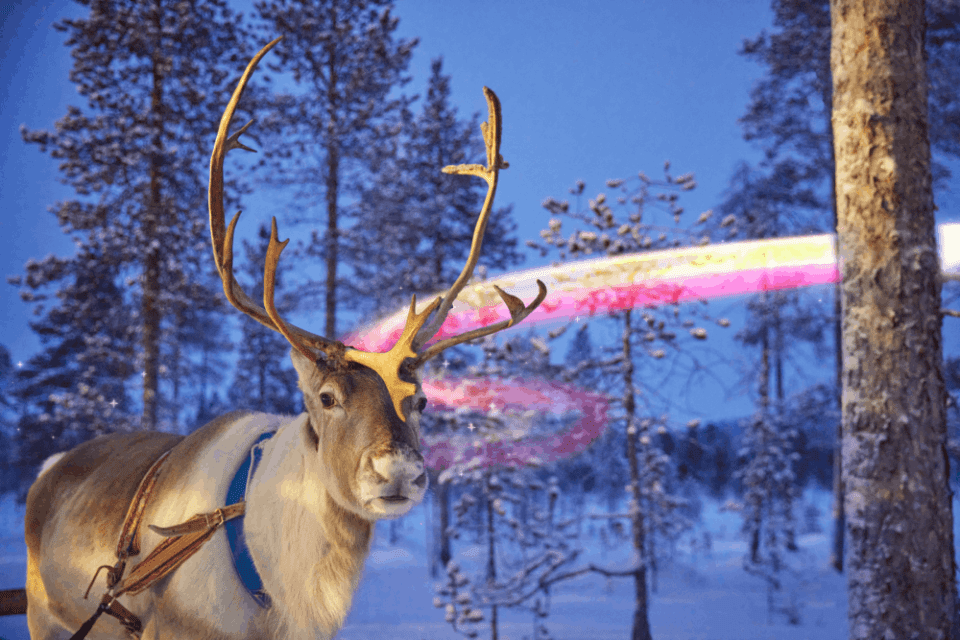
{"type": "Point", "coordinates": [307, 548]}
{"type": "Point", "coordinates": [346, 530]}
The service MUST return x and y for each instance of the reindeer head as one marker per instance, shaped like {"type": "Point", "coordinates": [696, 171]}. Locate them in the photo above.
{"type": "Point", "coordinates": [364, 408]}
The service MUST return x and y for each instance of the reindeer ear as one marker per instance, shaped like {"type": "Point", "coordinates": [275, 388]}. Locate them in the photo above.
{"type": "Point", "coordinates": [306, 371]}
{"type": "Point", "coordinates": [304, 366]}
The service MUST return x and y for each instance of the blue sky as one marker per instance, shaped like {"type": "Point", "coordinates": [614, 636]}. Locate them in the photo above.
{"type": "Point", "coordinates": [590, 90]}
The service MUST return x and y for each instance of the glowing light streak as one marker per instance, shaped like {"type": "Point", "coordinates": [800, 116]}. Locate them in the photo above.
{"type": "Point", "coordinates": [591, 287]}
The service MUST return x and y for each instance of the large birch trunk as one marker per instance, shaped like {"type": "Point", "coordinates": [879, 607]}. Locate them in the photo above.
{"type": "Point", "coordinates": [900, 559]}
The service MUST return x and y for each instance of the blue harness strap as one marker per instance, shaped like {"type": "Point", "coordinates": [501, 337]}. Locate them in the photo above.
{"type": "Point", "coordinates": [239, 551]}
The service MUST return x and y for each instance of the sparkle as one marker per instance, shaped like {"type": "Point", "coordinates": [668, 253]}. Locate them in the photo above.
{"type": "Point", "coordinates": [471, 427]}
{"type": "Point", "coordinates": [20, 364]}
{"type": "Point", "coordinates": [113, 403]}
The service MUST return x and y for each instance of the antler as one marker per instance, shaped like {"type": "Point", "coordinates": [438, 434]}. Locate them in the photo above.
{"type": "Point", "coordinates": [415, 335]}
{"type": "Point", "coordinates": [492, 131]}
{"type": "Point", "coordinates": [387, 365]}
{"type": "Point", "coordinates": [222, 237]}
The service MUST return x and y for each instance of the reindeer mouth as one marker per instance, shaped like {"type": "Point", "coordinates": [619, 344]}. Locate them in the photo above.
{"type": "Point", "coordinates": [395, 499]}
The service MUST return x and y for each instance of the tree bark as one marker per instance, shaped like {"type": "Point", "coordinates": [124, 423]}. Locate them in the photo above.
{"type": "Point", "coordinates": [900, 559]}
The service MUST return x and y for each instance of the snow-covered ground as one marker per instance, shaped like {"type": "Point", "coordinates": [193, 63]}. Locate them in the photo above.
{"type": "Point", "coordinates": [701, 594]}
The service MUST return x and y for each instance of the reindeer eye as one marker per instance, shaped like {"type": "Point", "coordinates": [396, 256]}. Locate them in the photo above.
{"type": "Point", "coordinates": [421, 405]}
{"type": "Point", "coordinates": [327, 400]}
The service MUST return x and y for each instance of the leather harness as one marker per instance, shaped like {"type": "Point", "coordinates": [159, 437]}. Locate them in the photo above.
{"type": "Point", "coordinates": [183, 540]}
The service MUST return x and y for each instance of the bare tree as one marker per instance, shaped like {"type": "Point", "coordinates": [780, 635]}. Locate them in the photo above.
{"type": "Point", "coordinates": [900, 553]}
{"type": "Point", "coordinates": [632, 220]}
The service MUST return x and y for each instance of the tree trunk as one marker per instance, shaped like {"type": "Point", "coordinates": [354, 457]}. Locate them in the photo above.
{"type": "Point", "coordinates": [778, 351]}
{"type": "Point", "coordinates": [443, 505]}
{"type": "Point", "coordinates": [333, 239]}
{"type": "Point", "coordinates": [763, 399]}
{"type": "Point", "coordinates": [491, 559]}
{"type": "Point", "coordinates": [641, 622]}
{"type": "Point", "coordinates": [900, 555]}
{"type": "Point", "coordinates": [150, 334]}
{"type": "Point", "coordinates": [332, 186]}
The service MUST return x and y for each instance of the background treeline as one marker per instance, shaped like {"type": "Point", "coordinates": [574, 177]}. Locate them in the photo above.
{"type": "Point", "coordinates": [133, 328]}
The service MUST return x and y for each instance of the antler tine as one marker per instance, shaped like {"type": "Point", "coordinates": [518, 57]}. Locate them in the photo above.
{"type": "Point", "coordinates": [492, 131]}
{"type": "Point", "coordinates": [222, 237]}
{"type": "Point", "coordinates": [389, 363]}
{"type": "Point", "coordinates": [491, 136]}
{"type": "Point", "coordinates": [518, 311]}
{"type": "Point", "coordinates": [274, 249]}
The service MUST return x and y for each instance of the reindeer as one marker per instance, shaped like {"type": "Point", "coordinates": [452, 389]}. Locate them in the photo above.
{"type": "Point", "coordinates": [322, 480]}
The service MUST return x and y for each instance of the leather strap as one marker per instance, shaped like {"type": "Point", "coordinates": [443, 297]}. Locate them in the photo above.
{"type": "Point", "coordinates": [177, 549]}
{"type": "Point", "coordinates": [126, 617]}
{"type": "Point", "coordinates": [201, 521]}
{"type": "Point", "coordinates": [129, 543]}
{"type": "Point", "coordinates": [110, 606]}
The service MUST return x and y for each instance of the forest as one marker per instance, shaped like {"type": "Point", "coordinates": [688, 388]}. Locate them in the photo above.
{"type": "Point", "coordinates": [772, 454]}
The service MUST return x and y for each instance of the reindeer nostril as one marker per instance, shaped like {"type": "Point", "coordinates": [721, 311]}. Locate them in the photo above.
{"type": "Point", "coordinates": [421, 480]}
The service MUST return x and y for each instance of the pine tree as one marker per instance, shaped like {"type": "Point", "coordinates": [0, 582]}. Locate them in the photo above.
{"type": "Point", "coordinates": [527, 543]}
{"type": "Point", "coordinates": [153, 80]}
{"type": "Point", "coordinates": [344, 56]}
{"type": "Point", "coordinates": [902, 572]}
{"type": "Point", "coordinates": [769, 205]}
{"type": "Point", "coordinates": [528, 547]}
{"type": "Point", "coordinates": [78, 386]}
{"type": "Point", "coordinates": [602, 467]}
{"type": "Point", "coordinates": [767, 478]}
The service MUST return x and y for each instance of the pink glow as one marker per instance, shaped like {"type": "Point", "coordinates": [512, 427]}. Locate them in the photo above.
{"type": "Point", "coordinates": [514, 396]}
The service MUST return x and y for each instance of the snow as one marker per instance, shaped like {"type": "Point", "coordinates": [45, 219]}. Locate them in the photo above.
{"type": "Point", "coordinates": [702, 590]}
